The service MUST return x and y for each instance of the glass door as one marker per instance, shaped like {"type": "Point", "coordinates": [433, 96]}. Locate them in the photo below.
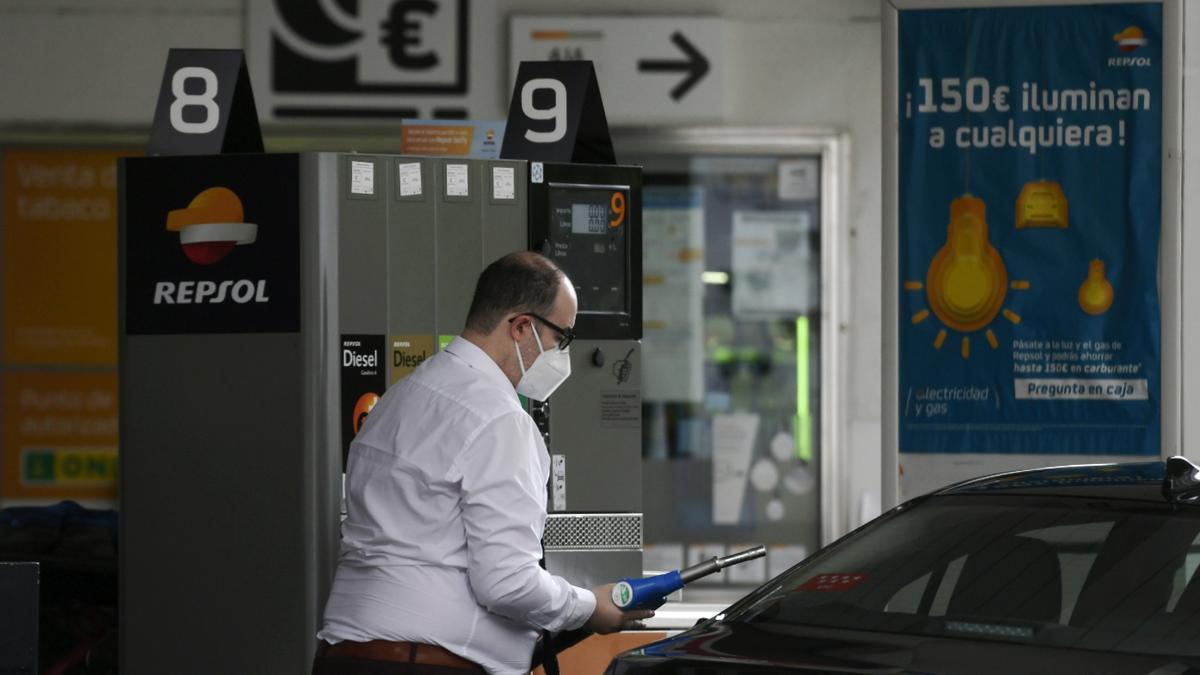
{"type": "Point", "coordinates": [735, 326]}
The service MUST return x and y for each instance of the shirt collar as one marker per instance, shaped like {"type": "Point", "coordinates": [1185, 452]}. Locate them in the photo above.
{"type": "Point", "coordinates": [478, 359]}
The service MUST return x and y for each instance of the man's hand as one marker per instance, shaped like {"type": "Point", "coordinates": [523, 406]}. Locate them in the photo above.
{"type": "Point", "coordinates": [608, 618]}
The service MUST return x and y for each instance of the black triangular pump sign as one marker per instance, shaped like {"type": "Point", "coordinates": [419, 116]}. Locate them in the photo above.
{"type": "Point", "coordinates": [205, 106]}
{"type": "Point", "coordinates": [556, 115]}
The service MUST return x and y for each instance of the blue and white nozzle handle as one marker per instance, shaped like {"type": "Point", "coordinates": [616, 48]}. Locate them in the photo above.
{"type": "Point", "coordinates": [652, 592]}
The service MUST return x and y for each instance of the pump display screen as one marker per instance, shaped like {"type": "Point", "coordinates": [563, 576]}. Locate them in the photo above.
{"type": "Point", "coordinates": [587, 238]}
{"type": "Point", "coordinates": [589, 218]}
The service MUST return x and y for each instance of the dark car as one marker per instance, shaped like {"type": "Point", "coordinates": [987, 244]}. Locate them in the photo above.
{"type": "Point", "coordinates": [1080, 569]}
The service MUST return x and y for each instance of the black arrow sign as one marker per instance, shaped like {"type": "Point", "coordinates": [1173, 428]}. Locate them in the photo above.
{"type": "Point", "coordinates": [696, 66]}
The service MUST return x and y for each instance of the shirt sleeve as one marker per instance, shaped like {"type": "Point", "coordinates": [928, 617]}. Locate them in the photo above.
{"type": "Point", "coordinates": [503, 509]}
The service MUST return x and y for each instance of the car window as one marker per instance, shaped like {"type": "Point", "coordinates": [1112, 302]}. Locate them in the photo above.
{"type": "Point", "coordinates": [908, 599]}
{"type": "Point", "coordinates": [1076, 546]}
{"type": "Point", "coordinates": [1107, 575]}
{"type": "Point", "coordinates": [941, 599]}
{"type": "Point", "coordinates": [1185, 575]}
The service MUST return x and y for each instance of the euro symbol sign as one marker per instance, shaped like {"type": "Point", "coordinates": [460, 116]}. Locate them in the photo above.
{"type": "Point", "coordinates": [402, 34]}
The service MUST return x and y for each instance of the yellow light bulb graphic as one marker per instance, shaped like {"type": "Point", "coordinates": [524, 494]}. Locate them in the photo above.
{"type": "Point", "coordinates": [966, 281]}
{"type": "Point", "coordinates": [1096, 293]}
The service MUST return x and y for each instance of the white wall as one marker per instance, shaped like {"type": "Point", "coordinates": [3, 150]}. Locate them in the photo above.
{"type": "Point", "coordinates": [793, 62]}
{"type": "Point", "coordinates": [74, 61]}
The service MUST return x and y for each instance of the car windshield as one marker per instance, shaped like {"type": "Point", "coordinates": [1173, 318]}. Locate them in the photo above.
{"type": "Point", "coordinates": [1071, 572]}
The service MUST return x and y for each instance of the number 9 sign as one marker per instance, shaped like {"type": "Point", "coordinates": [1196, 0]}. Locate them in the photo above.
{"type": "Point", "coordinates": [557, 111]}
{"type": "Point", "coordinates": [617, 206]}
{"type": "Point", "coordinates": [556, 115]}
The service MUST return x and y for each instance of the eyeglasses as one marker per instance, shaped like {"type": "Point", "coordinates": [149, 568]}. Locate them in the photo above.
{"type": "Point", "coordinates": [565, 335]}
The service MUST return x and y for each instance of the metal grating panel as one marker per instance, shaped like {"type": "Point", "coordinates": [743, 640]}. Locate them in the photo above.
{"type": "Point", "coordinates": [593, 532]}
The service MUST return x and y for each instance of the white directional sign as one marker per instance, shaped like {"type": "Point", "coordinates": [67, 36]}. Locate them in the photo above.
{"type": "Point", "coordinates": [651, 70]}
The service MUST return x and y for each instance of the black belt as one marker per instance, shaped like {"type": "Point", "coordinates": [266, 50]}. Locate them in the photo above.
{"type": "Point", "coordinates": [401, 652]}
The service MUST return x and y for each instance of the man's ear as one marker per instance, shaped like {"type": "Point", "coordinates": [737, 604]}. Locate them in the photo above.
{"type": "Point", "coordinates": [517, 327]}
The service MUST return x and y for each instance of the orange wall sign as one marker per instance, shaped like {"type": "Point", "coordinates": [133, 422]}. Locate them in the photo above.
{"type": "Point", "coordinates": [60, 257]}
{"type": "Point", "coordinates": [60, 435]}
{"type": "Point", "coordinates": [453, 138]}
{"type": "Point", "coordinates": [58, 325]}
{"type": "Point", "coordinates": [436, 140]}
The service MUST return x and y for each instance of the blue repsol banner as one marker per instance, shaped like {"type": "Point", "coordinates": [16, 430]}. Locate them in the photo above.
{"type": "Point", "coordinates": [1030, 208]}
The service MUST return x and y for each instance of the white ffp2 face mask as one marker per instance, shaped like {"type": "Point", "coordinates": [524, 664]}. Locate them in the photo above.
{"type": "Point", "coordinates": [549, 369]}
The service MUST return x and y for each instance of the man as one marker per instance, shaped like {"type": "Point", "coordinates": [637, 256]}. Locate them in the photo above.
{"type": "Point", "coordinates": [446, 499]}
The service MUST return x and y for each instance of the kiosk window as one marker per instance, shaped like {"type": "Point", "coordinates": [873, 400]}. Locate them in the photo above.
{"type": "Point", "coordinates": [731, 354]}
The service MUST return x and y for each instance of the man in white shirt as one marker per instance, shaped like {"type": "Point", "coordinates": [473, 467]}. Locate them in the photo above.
{"type": "Point", "coordinates": [446, 500]}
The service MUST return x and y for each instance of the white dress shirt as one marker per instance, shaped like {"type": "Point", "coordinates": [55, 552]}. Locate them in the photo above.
{"type": "Point", "coordinates": [446, 501]}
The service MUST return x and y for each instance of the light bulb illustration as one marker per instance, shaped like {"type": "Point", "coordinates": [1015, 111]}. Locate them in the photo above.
{"type": "Point", "coordinates": [966, 282]}
{"type": "Point", "coordinates": [1096, 293]}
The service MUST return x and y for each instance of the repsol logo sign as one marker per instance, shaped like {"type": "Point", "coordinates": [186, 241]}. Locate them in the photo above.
{"type": "Point", "coordinates": [1129, 62]}
{"type": "Point", "coordinates": [241, 291]}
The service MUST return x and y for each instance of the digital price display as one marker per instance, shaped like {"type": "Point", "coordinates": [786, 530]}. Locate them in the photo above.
{"type": "Point", "coordinates": [587, 237]}
{"type": "Point", "coordinates": [589, 218]}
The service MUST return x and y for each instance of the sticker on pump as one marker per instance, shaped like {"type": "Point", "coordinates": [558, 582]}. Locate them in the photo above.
{"type": "Point", "coordinates": [833, 582]}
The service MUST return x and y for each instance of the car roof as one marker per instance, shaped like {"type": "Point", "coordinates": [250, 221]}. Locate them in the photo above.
{"type": "Point", "coordinates": [1169, 480]}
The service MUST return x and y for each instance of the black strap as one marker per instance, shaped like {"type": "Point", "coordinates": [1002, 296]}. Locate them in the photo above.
{"type": "Point", "coordinates": [549, 653]}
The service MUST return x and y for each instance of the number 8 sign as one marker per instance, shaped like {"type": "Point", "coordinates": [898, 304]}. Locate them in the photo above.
{"type": "Point", "coordinates": [556, 115]}
{"type": "Point", "coordinates": [205, 105]}
{"type": "Point", "coordinates": [205, 100]}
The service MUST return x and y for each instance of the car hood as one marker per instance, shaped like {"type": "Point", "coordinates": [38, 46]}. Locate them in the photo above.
{"type": "Point", "coordinates": [744, 648]}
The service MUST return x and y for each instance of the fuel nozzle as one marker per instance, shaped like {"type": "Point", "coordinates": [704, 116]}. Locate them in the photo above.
{"type": "Point", "coordinates": [652, 592]}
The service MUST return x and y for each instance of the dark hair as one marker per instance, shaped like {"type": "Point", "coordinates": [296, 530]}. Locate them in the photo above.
{"type": "Point", "coordinates": [519, 282]}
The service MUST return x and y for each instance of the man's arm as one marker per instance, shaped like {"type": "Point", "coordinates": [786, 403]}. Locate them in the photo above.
{"type": "Point", "coordinates": [503, 503]}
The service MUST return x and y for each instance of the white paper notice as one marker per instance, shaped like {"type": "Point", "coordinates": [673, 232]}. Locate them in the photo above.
{"type": "Point", "coordinates": [362, 178]}
{"type": "Point", "coordinates": [673, 294]}
{"type": "Point", "coordinates": [458, 180]}
{"type": "Point", "coordinates": [772, 264]}
{"type": "Point", "coordinates": [504, 182]}
{"type": "Point", "coordinates": [780, 558]}
{"type": "Point", "coordinates": [733, 446]}
{"type": "Point", "coordinates": [798, 180]}
{"type": "Point", "coordinates": [749, 572]}
{"type": "Point", "coordinates": [558, 482]}
{"type": "Point", "coordinates": [410, 179]}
